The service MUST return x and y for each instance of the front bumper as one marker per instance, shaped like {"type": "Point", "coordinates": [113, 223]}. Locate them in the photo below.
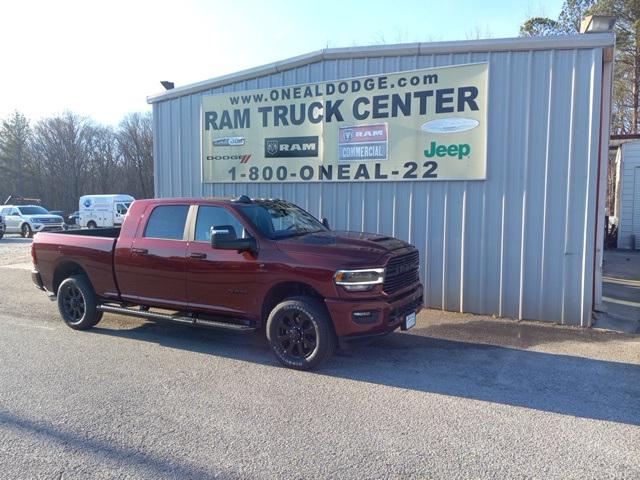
{"type": "Point", "coordinates": [47, 227]}
{"type": "Point", "coordinates": [387, 315]}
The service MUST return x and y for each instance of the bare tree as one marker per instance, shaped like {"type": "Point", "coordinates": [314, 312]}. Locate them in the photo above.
{"type": "Point", "coordinates": [66, 156]}
{"type": "Point", "coordinates": [105, 165]}
{"type": "Point", "coordinates": [62, 146]}
{"type": "Point", "coordinates": [135, 143]}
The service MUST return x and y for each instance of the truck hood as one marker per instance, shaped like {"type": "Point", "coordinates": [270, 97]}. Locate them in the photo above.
{"type": "Point", "coordinates": [347, 248]}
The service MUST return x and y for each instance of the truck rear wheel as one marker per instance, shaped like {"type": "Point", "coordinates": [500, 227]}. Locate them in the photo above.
{"type": "Point", "coordinates": [92, 224]}
{"type": "Point", "coordinates": [300, 333]}
{"type": "Point", "coordinates": [77, 303]}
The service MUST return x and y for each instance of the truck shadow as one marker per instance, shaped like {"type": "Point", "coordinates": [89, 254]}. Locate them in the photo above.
{"type": "Point", "coordinates": [564, 384]}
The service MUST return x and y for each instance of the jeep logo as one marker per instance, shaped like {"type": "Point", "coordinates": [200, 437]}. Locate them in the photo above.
{"type": "Point", "coordinates": [454, 150]}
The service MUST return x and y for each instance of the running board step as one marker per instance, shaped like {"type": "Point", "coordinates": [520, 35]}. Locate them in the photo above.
{"type": "Point", "coordinates": [175, 318]}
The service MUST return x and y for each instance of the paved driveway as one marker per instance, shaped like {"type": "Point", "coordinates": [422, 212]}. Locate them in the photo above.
{"type": "Point", "coordinates": [459, 396]}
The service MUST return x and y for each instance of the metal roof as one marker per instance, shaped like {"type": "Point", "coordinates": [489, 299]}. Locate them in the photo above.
{"type": "Point", "coordinates": [420, 48]}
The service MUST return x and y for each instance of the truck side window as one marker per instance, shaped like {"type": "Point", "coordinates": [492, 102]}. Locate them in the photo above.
{"type": "Point", "coordinates": [213, 217]}
{"type": "Point", "coordinates": [167, 221]}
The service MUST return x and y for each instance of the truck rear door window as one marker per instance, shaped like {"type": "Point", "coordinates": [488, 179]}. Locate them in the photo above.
{"type": "Point", "coordinates": [216, 217]}
{"type": "Point", "coordinates": [167, 221]}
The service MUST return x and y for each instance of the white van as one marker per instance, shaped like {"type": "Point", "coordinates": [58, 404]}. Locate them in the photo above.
{"type": "Point", "coordinates": [103, 210]}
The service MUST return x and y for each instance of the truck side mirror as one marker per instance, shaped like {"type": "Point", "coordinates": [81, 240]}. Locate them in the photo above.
{"type": "Point", "coordinates": [224, 237]}
{"type": "Point", "coordinates": [325, 222]}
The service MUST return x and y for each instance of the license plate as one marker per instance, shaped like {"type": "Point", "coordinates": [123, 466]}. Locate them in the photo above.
{"type": "Point", "coordinates": [410, 321]}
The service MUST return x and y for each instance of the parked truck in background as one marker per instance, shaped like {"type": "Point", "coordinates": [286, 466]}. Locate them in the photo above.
{"type": "Point", "coordinates": [103, 210]}
{"type": "Point", "coordinates": [241, 265]}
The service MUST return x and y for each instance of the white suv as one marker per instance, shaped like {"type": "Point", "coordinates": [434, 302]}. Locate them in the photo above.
{"type": "Point", "coordinates": [29, 219]}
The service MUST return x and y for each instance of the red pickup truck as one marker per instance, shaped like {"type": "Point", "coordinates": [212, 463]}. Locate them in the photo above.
{"type": "Point", "coordinates": [240, 264]}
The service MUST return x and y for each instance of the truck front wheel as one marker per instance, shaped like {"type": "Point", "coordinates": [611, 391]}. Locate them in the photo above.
{"type": "Point", "coordinates": [77, 303]}
{"type": "Point", "coordinates": [300, 333]}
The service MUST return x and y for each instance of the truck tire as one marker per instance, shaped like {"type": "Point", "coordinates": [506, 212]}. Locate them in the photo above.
{"type": "Point", "coordinates": [92, 224]}
{"type": "Point", "coordinates": [77, 303]}
{"type": "Point", "coordinates": [301, 333]}
{"type": "Point", "coordinates": [25, 231]}
{"type": "Point", "coordinates": [1, 235]}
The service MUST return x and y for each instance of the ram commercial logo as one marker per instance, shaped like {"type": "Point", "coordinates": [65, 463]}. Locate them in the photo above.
{"type": "Point", "coordinates": [242, 158]}
{"type": "Point", "coordinates": [229, 142]}
{"type": "Point", "coordinates": [285, 147]}
{"type": "Point", "coordinates": [363, 142]}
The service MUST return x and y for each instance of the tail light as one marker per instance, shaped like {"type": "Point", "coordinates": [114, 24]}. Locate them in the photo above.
{"type": "Point", "coordinates": [34, 258]}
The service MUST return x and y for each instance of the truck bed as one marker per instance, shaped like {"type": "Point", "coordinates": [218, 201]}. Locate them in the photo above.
{"type": "Point", "coordinates": [91, 250]}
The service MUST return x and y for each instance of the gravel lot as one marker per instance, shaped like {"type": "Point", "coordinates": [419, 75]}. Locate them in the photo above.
{"type": "Point", "coordinates": [14, 249]}
{"type": "Point", "coordinates": [460, 396]}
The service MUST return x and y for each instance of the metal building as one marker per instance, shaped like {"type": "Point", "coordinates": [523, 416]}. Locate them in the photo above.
{"type": "Point", "coordinates": [627, 207]}
{"type": "Point", "coordinates": [523, 243]}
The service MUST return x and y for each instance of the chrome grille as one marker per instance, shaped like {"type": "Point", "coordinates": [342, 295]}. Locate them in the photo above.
{"type": "Point", "coordinates": [402, 271]}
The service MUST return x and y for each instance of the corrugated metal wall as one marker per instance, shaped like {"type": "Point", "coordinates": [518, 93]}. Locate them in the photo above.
{"type": "Point", "coordinates": [629, 196]}
{"type": "Point", "coordinates": [520, 244]}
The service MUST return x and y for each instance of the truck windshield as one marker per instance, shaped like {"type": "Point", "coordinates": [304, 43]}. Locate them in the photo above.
{"type": "Point", "coordinates": [33, 210]}
{"type": "Point", "coordinates": [278, 219]}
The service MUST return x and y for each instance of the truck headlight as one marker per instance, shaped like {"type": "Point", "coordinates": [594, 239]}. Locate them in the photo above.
{"type": "Point", "coordinates": [359, 280]}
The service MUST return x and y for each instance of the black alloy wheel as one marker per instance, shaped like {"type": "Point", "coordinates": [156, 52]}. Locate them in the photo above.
{"type": "Point", "coordinates": [301, 332]}
{"type": "Point", "coordinates": [296, 334]}
{"type": "Point", "coordinates": [77, 303]}
{"type": "Point", "coordinates": [72, 302]}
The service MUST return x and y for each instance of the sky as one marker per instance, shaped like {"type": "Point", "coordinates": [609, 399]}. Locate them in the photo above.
{"type": "Point", "coordinates": [102, 59]}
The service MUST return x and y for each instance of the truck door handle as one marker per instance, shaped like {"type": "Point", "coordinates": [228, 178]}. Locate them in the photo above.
{"type": "Point", "coordinates": [141, 251]}
{"type": "Point", "coordinates": [198, 255]}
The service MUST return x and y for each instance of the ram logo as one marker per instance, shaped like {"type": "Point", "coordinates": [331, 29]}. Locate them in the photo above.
{"type": "Point", "coordinates": [272, 147]}
{"type": "Point", "coordinates": [284, 147]}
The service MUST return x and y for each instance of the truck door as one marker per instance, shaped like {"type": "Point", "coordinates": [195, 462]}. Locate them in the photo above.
{"type": "Point", "coordinates": [221, 281]}
{"type": "Point", "coordinates": [153, 272]}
